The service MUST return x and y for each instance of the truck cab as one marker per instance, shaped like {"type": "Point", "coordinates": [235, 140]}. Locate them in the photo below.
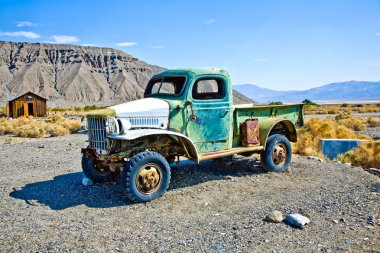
{"type": "Point", "coordinates": [184, 113]}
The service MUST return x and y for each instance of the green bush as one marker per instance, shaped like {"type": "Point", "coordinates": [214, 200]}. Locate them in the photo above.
{"type": "Point", "coordinates": [276, 103]}
{"type": "Point", "coordinates": [308, 102]}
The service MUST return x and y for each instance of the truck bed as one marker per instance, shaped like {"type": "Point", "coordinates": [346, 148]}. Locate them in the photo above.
{"type": "Point", "coordinates": [267, 116]}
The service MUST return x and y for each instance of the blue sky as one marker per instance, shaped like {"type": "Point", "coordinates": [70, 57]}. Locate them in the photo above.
{"type": "Point", "coordinates": [284, 44]}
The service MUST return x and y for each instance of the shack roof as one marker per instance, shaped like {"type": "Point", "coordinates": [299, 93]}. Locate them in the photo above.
{"type": "Point", "coordinates": [23, 94]}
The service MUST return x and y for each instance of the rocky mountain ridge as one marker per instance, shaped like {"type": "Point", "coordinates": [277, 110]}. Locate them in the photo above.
{"type": "Point", "coordinates": [341, 91]}
{"type": "Point", "coordinates": [71, 75]}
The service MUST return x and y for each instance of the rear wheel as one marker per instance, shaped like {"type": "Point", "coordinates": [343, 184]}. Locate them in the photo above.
{"type": "Point", "coordinates": [277, 154]}
{"type": "Point", "coordinates": [146, 176]}
{"type": "Point", "coordinates": [94, 171]}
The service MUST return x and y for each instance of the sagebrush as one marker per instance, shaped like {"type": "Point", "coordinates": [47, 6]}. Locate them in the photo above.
{"type": "Point", "coordinates": [55, 125]}
{"type": "Point", "coordinates": [367, 155]}
{"type": "Point", "coordinates": [330, 128]}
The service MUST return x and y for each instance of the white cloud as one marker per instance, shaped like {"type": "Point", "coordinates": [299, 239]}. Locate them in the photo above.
{"type": "Point", "coordinates": [64, 39]}
{"type": "Point", "coordinates": [29, 35]}
{"type": "Point", "coordinates": [210, 21]}
{"type": "Point", "coordinates": [375, 65]}
{"type": "Point", "coordinates": [24, 23]}
{"type": "Point", "coordinates": [126, 44]}
{"type": "Point", "coordinates": [157, 47]}
{"type": "Point", "coordinates": [260, 60]}
{"type": "Point", "coordinates": [377, 34]}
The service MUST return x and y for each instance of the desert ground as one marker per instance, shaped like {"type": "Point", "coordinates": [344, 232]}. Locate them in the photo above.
{"type": "Point", "coordinates": [211, 207]}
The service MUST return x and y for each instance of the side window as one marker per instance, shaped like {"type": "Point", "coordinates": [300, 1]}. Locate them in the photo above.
{"type": "Point", "coordinates": [208, 89]}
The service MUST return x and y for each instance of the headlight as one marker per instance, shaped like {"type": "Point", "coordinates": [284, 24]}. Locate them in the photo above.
{"type": "Point", "coordinates": [125, 125]}
{"type": "Point", "coordinates": [112, 126]}
{"type": "Point", "coordinates": [83, 123]}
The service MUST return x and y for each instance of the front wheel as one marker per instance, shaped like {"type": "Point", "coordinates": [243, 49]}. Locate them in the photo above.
{"type": "Point", "coordinates": [146, 176]}
{"type": "Point", "coordinates": [94, 171]}
{"type": "Point", "coordinates": [277, 154]}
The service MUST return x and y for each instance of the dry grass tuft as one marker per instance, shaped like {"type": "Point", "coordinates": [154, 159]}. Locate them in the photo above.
{"type": "Point", "coordinates": [315, 129]}
{"type": "Point", "coordinates": [335, 109]}
{"type": "Point", "coordinates": [56, 130]}
{"type": "Point", "coordinates": [373, 121]}
{"type": "Point", "coordinates": [55, 125]}
{"type": "Point", "coordinates": [30, 131]}
{"type": "Point", "coordinates": [367, 155]}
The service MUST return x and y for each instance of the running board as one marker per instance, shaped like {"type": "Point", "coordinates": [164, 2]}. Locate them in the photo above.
{"type": "Point", "coordinates": [228, 152]}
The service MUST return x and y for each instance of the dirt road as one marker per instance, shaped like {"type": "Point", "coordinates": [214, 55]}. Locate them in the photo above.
{"type": "Point", "coordinates": [214, 207]}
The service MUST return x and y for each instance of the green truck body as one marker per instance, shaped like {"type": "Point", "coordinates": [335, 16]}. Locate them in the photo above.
{"type": "Point", "coordinates": [201, 123]}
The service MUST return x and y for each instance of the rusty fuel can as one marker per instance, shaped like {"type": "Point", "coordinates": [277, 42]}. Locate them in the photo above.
{"type": "Point", "coordinates": [250, 132]}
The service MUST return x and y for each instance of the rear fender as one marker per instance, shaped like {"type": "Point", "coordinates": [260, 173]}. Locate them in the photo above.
{"type": "Point", "coordinates": [269, 127]}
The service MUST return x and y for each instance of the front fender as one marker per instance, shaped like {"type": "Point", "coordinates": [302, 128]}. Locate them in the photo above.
{"type": "Point", "coordinates": [183, 140]}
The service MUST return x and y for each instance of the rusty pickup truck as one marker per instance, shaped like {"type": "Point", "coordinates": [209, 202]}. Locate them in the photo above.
{"type": "Point", "coordinates": [184, 113]}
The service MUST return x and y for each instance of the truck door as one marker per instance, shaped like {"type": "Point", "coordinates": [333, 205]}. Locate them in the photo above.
{"type": "Point", "coordinates": [210, 113]}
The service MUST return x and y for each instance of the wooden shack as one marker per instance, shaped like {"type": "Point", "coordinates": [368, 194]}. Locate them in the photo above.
{"type": "Point", "coordinates": [27, 104]}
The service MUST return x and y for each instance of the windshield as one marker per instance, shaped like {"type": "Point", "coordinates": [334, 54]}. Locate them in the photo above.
{"type": "Point", "coordinates": [169, 85]}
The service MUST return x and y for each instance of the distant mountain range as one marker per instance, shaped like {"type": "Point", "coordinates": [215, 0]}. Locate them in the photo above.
{"type": "Point", "coordinates": [71, 75]}
{"type": "Point", "coordinates": [343, 91]}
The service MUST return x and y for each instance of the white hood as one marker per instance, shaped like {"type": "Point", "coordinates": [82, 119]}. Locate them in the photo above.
{"type": "Point", "coordinates": [146, 107]}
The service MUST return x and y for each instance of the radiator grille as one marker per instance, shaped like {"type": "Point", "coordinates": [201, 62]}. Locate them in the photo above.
{"type": "Point", "coordinates": [145, 122]}
{"type": "Point", "coordinates": [97, 132]}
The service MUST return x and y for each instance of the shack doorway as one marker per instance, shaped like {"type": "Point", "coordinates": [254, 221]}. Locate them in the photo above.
{"type": "Point", "coordinates": [30, 109]}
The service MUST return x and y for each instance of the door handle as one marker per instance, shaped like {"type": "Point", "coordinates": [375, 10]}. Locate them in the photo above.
{"type": "Point", "coordinates": [225, 113]}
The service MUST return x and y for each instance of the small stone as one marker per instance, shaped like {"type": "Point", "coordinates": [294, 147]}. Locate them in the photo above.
{"type": "Point", "coordinates": [41, 146]}
{"type": "Point", "coordinates": [87, 182]}
{"type": "Point", "coordinates": [297, 220]}
{"type": "Point", "coordinates": [335, 221]}
{"type": "Point", "coordinates": [274, 216]}
{"type": "Point", "coordinates": [218, 246]}
{"type": "Point", "coordinates": [365, 238]}
{"type": "Point", "coordinates": [347, 164]}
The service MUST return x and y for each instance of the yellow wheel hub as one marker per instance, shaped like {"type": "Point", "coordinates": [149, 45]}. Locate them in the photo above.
{"type": "Point", "coordinates": [148, 179]}
{"type": "Point", "coordinates": [279, 154]}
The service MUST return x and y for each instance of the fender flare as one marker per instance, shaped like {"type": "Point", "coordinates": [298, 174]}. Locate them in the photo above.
{"type": "Point", "coordinates": [183, 140]}
{"type": "Point", "coordinates": [267, 126]}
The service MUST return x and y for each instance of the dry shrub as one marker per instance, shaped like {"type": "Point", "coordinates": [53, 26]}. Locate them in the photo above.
{"type": "Point", "coordinates": [333, 109]}
{"type": "Point", "coordinates": [315, 129]}
{"type": "Point", "coordinates": [356, 123]}
{"type": "Point", "coordinates": [2, 130]}
{"type": "Point", "coordinates": [71, 125]}
{"type": "Point", "coordinates": [373, 121]}
{"type": "Point", "coordinates": [30, 131]}
{"type": "Point", "coordinates": [55, 125]}
{"type": "Point", "coordinates": [56, 130]}
{"type": "Point", "coordinates": [367, 155]}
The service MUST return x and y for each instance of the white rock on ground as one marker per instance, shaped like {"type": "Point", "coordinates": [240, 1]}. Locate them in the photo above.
{"type": "Point", "coordinates": [87, 182]}
{"type": "Point", "coordinates": [315, 158]}
{"type": "Point", "coordinates": [297, 220]}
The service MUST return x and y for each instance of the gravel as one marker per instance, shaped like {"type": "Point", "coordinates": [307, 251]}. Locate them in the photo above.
{"type": "Point", "coordinates": [213, 207]}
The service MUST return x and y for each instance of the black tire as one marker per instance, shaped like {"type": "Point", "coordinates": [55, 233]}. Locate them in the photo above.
{"type": "Point", "coordinates": [91, 171]}
{"type": "Point", "coordinates": [280, 161]}
{"type": "Point", "coordinates": [146, 176]}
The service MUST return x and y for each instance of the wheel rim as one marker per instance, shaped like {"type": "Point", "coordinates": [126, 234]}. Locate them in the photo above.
{"type": "Point", "coordinates": [99, 168]}
{"type": "Point", "coordinates": [148, 178]}
{"type": "Point", "coordinates": [279, 154]}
